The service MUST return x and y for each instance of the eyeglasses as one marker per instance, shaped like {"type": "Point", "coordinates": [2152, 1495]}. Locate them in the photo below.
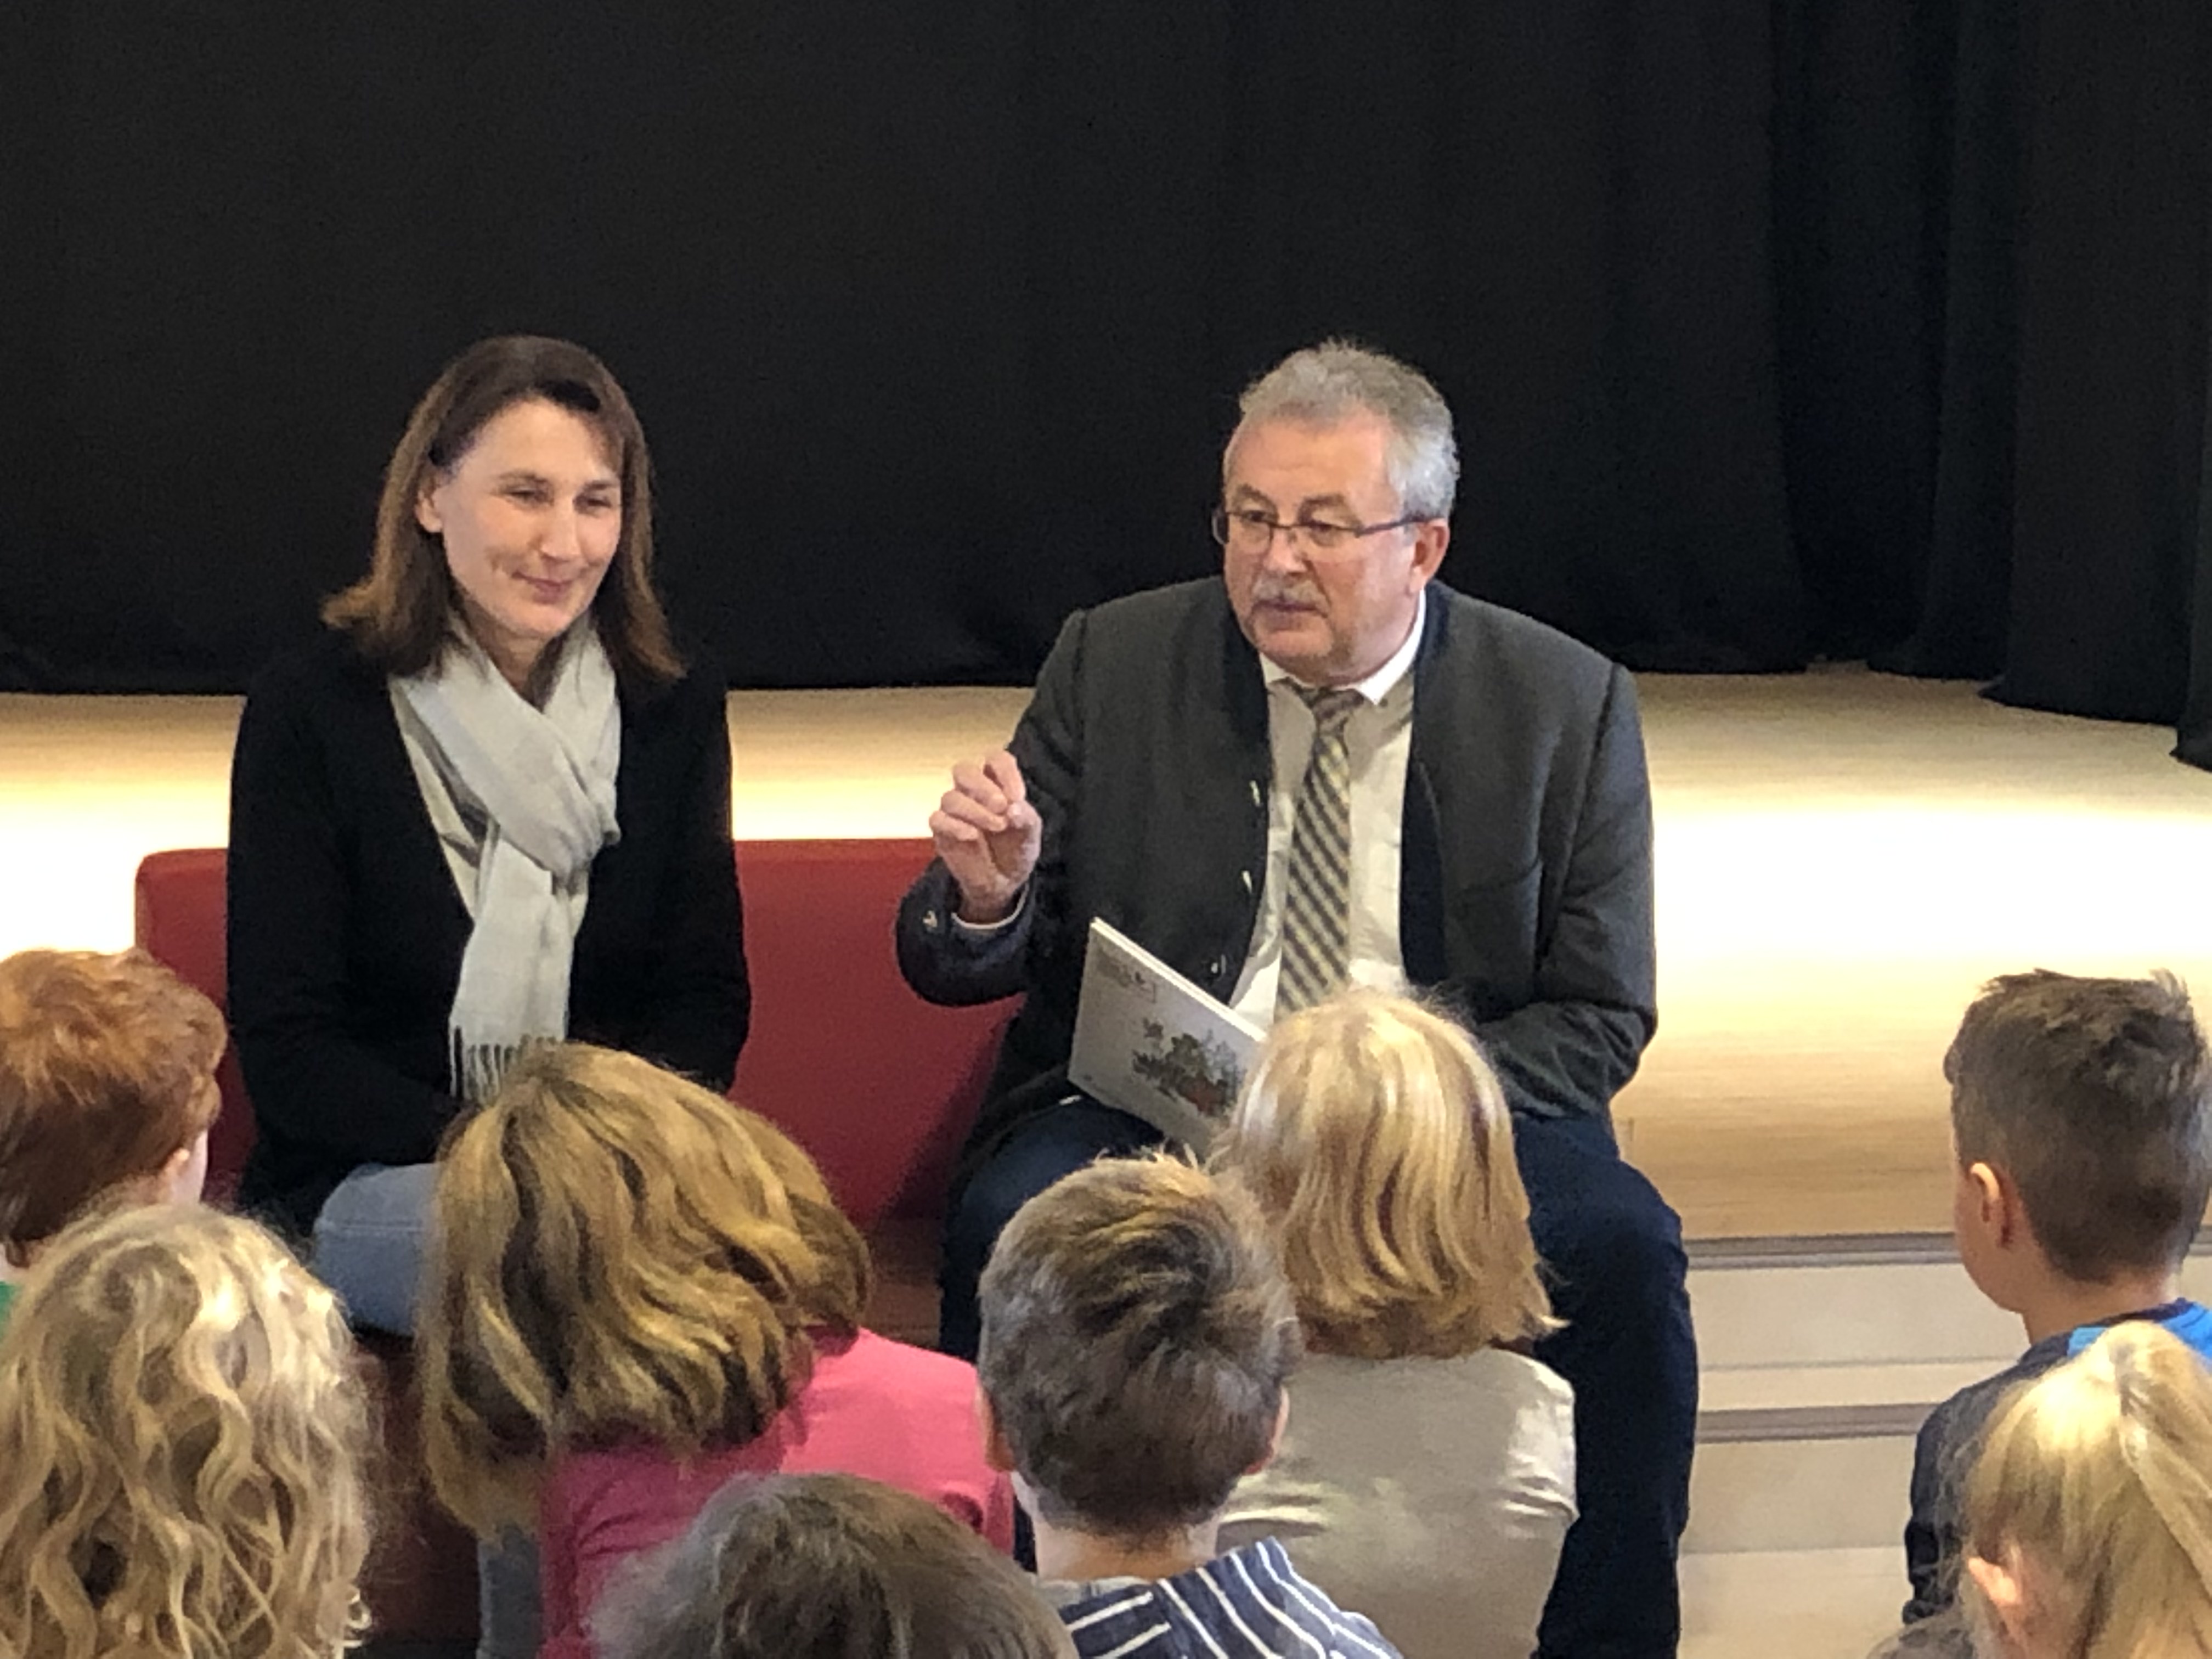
{"type": "Point", "coordinates": [1247, 530]}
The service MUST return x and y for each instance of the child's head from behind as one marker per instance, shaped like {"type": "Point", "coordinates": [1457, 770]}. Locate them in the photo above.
{"type": "Point", "coordinates": [1377, 1140]}
{"type": "Point", "coordinates": [182, 1436]}
{"type": "Point", "coordinates": [2081, 1111]}
{"type": "Point", "coordinates": [1138, 1333]}
{"type": "Point", "coordinates": [106, 1083]}
{"type": "Point", "coordinates": [617, 1255]}
{"type": "Point", "coordinates": [2089, 1510]}
{"type": "Point", "coordinates": [826, 1566]}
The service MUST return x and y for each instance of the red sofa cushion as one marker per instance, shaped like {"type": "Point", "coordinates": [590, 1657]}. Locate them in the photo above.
{"type": "Point", "coordinates": [880, 1086]}
{"type": "Point", "coordinates": [179, 906]}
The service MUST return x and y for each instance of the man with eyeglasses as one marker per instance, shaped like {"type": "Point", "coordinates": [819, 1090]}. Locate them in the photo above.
{"type": "Point", "coordinates": [1326, 769]}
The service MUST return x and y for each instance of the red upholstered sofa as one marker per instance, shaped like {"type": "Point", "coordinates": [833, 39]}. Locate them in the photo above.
{"type": "Point", "coordinates": [880, 1087]}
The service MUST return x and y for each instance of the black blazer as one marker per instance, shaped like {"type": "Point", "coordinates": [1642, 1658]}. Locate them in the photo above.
{"type": "Point", "coordinates": [1526, 885]}
{"type": "Point", "coordinates": [346, 930]}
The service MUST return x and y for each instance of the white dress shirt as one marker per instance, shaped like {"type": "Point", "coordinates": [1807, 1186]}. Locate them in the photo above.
{"type": "Point", "coordinates": [1379, 738]}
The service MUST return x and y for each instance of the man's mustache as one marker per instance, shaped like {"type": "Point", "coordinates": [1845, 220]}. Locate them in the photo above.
{"type": "Point", "coordinates": [1282, 592]}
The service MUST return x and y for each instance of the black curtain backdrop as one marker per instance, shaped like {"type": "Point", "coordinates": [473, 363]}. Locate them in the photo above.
{"type": "Point", "coordinates": [1776, 329]}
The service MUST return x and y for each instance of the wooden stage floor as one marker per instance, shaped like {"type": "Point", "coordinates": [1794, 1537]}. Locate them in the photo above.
{"type": "Point", "coordinates": [1842, 857]}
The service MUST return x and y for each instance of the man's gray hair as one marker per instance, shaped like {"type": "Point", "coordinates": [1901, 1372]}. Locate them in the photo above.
{"type": "Point", "coordinates": [1329, 383]}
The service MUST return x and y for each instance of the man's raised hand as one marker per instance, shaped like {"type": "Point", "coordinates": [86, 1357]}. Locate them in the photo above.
{"type": "Point", "coordinates": [987, 834]}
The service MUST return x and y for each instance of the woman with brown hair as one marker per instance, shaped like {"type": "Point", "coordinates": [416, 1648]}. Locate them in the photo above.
{"type": "Point", "coordinates": [638, 1292]}
{"type": "Point", "coordinates": [488, 808]}
{"type": "Point", "coordinates": [1427, 1473]}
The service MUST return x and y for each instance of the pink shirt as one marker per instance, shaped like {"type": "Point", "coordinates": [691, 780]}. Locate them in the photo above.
{"type": "Point", "coordinates": [872, 1407]}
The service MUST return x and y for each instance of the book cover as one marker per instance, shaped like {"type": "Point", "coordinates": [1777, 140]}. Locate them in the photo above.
{"type": "Point", "coordinates": [1152, 1043]}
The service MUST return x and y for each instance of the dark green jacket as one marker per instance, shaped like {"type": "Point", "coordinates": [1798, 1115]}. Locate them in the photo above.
{"type": "Point", "coordinates": [1525, 894]}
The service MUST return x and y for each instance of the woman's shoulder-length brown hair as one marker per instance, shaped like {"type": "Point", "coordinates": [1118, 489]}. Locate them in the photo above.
{"type": "Point", "coordinates": [399, 615]}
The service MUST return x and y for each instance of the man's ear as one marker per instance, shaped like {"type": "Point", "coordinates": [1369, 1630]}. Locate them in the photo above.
{"type": "Point", "coordinates": [1431, 538]}
{"type": "Point", "coordinates": [1275, 1436]}
{"type": "Point", "coordinates": [997, 1454]}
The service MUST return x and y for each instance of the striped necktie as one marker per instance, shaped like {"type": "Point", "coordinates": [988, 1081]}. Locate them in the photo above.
{"type": "Point", "coordinates": [1317, 890]}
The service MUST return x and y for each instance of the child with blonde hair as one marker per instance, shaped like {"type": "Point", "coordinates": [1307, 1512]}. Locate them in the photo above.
{"type": "Point", "coordinates": [2088, 1513]}
{"type": "Point", "coordinates": [638, 1291]}
{"type": "Point", "coordinates": [182, 1440]}
{"type": "Point", "coordinates": [1427, 1473]}
{"type": "Point", "coordinates": [107, 1087]}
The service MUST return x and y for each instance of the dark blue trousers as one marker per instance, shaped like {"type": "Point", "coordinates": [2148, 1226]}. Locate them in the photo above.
{"type": "Point", "coordinates": [1613, 1249]}
{"type": "Point", "coordinates": [1613, 1252]}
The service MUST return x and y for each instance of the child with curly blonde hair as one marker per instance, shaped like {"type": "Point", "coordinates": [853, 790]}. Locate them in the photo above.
{"type": "Point", "coordinates": [638, 1291]}
{"type": "Point", "coordinates": [182, 1437]}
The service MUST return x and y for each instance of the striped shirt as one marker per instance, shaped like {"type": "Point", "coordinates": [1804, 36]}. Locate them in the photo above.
{"type": "Point", "coordinates": [1247, 1604]}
